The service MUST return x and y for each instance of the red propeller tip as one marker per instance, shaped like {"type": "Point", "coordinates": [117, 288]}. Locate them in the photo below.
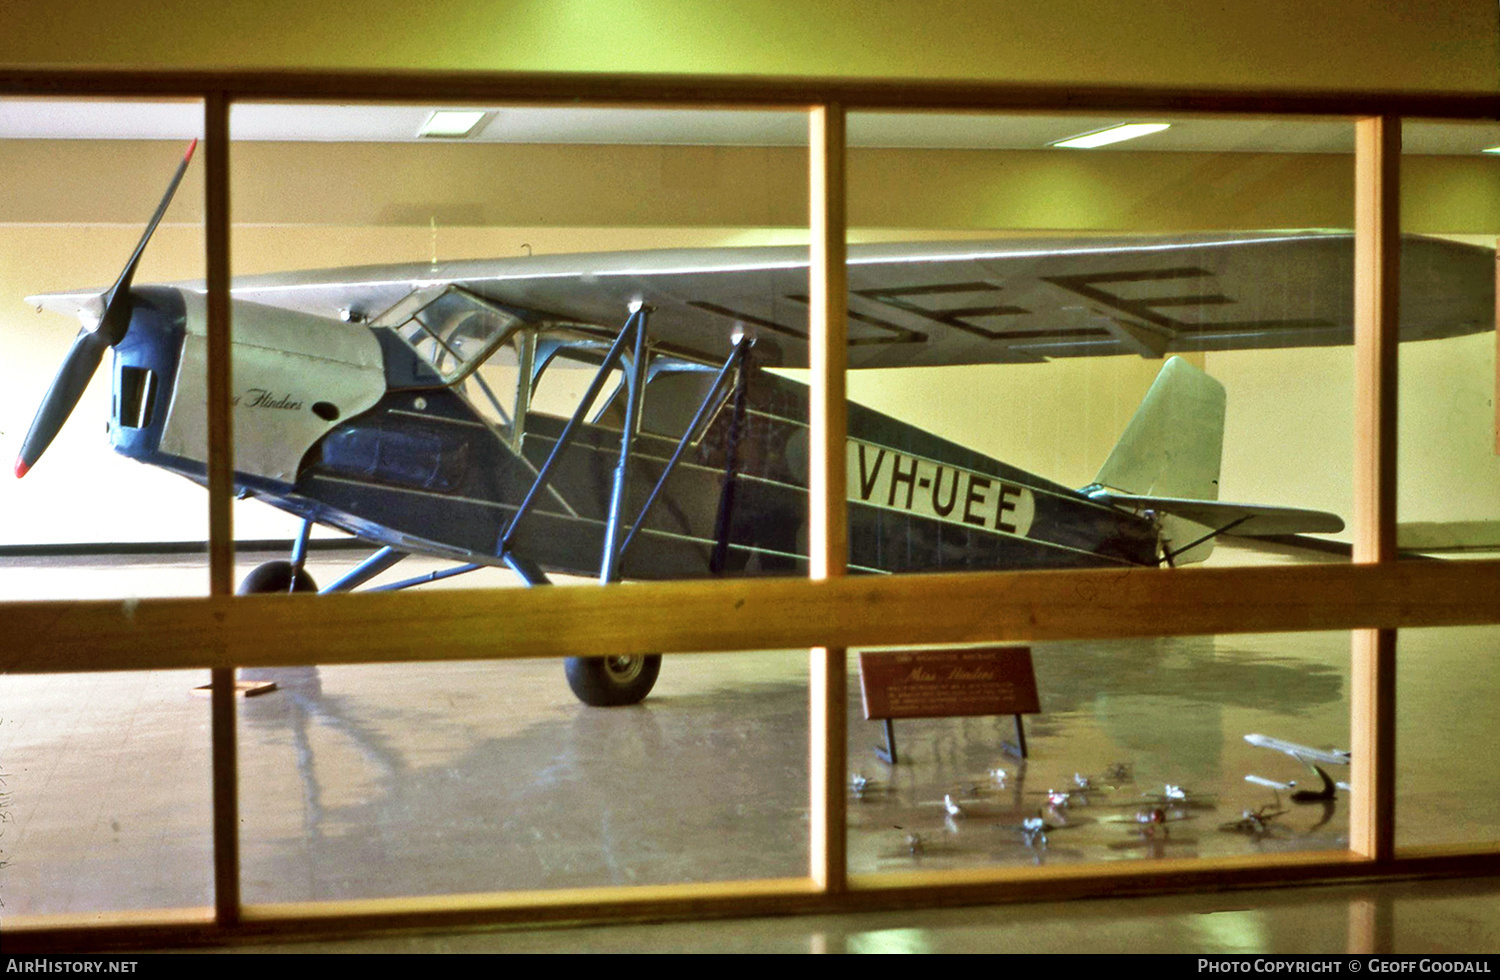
{"type": "Point", "coordinates": [191, 147]}
{"type": "Point", "coordinates": [21, 468]}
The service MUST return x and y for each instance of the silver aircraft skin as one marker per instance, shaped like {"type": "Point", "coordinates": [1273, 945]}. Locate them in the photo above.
{"type": "Point", "coordinates": [396, 402]}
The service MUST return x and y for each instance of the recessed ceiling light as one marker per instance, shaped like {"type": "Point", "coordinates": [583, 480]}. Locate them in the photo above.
{"type": "Point", "coordinates": [452, 124]}
{"type": "Point", "coordinates": [1114, 134]}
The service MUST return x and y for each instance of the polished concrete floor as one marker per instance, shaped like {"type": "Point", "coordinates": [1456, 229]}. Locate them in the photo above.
{"type": "Point", "coordinates": [382, 780]}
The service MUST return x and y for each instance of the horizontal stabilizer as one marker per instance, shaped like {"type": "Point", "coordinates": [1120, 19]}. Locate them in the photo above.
{"type": "Point", "coordinates": [1248, 520]}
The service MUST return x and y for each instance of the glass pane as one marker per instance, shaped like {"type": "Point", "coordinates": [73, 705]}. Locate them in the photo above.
{"type": "Point", "coordinates": [107, 800]}
{"type": "Point", "coordinates": [1068, 357]}
{"type": "Point", "coordinates": [1446, 687]}
{"type": "Point", "coordinates": [467, 300]}
{"type": "Point", "coordinates": [1154, 748]}
{"type": "Point", "coordinates": [1448, 496]}
{"type": "Point", "coordinates": [91, 361]}
{"type": "Point", "coordinates": [417, 320]}
{"type": "Point", "coordinates": [105, 777]}
{"type": "Point", "coordinates": [1448, 477]}
{"type": "Point", "coordinates": [462, 777]}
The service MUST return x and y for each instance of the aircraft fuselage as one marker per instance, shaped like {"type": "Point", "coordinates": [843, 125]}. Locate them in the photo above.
{"type": "Point", "coordinates": [344, 424]}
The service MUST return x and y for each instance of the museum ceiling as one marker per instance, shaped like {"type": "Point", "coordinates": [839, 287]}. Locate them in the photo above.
{"type": "Point", "coordinates": [103, 119]}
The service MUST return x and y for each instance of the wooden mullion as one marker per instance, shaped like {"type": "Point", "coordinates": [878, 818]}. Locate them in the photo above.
{"type": "Point", "coordinates": [741, 614]}
{"type": "Point", "coordinates": [1377, 253]}
{"type": "Point", "coordinates": [1372, 698]}
{"type": "Point", "coordinates": [893, 890]}
{"type": "Point", "coordinates": [585, 88]}
{"type": "Point", "coordinates": [828, 522]}
{"type": "Point", "coordinates": [220, 495]}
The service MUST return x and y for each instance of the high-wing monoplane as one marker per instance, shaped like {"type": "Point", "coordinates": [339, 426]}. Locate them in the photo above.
{"type": "Point", "coordinates": [401, 403]}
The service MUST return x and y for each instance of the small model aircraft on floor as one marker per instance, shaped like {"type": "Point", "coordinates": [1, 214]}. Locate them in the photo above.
{"type": "Point", "coordinates": [400, 403]}
{"type": "Point", "coordinates": [1257, 824]}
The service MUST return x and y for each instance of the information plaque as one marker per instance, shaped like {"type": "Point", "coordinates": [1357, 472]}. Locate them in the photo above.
{"type": "Point", "coordinates": [946, 683]}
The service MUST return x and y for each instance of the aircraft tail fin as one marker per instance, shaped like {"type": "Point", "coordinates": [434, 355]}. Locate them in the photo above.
{"type": "Point", "coordinates": [1172, 446]}
{"type": "Point", "coordinates": [1167, 465]}
{"type": "Point", "coordinates": [1171, 451]}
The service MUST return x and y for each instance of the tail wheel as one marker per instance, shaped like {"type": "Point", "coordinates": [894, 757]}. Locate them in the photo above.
{"type": "Point", "coordinates": [274, 577]}
{"type": "Point", "coordinates": [607, 682]}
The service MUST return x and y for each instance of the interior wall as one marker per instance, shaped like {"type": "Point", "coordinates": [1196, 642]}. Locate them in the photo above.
{"type": "Point", "coordinates": [496, 184]}
{"type": "Point", "coordinates": [1434, 45]}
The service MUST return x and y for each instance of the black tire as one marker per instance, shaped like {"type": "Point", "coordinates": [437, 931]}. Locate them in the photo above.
{"type": "Point", "coordinates": [608, 682]}
{"type": "Point", "coordinates": [275, 576]}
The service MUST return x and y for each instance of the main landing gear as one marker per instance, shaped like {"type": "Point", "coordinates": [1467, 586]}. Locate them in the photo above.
{"type": "Point", "coordinates": [600, 682]}
{"type": "Point", "coordinates": [608, 682]}
{"type": "Point", "coordinates": [276, 576]}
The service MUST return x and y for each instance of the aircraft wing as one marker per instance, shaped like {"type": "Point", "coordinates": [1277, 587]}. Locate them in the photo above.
{"type": "Point", "coordinates": [1247, 520]}
{"type": "Point", "coordinates": [923, 303]}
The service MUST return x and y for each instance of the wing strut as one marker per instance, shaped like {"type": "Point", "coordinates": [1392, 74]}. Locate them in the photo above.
{"type": "Point", "coordinates": [633, 331]}
{"type": "Point", "coordinates": [635, 390]}
{"type": "Point", "coordinates": [723, 523]}
{"type": "Point", "coordinates": [737, 359]}
{"type": "Point", "coordinates": [617, 539]}
{"type": "Point", "coordinates": [436, 576]}
{"type": "Point", "coordinates": [365, 570]}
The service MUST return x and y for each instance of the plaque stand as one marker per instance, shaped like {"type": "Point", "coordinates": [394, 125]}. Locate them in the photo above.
{"type": "Point", "coordinates": [887, 753]}
{"type": "Point", "coordinates": [947, 683]}
{"type": "Point", "coordinates": [1018, 748]}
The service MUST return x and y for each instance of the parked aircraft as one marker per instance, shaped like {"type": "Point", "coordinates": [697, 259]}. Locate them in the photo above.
{"type": "Point", "coordinates": [399, 403]}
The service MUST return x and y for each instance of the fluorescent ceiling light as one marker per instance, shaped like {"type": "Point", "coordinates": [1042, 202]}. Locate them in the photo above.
{"type": "Point", "coordinates": [1114, 134]}
{"type": "Point", "coordinates": [1492, 149]}
{"type": "Point", "coordinates": [452, 123]}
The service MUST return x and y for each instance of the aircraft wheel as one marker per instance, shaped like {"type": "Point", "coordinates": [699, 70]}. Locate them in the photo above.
{"type": "Point", "coordinates": [607, 682]}
{"type": "Point", "coordinates": [275, 576]}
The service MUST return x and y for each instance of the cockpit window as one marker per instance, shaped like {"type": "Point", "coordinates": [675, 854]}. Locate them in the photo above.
{"type": "Point", "coordinates": [674, 389]}
{"type": "Point", "coordinates": [450, 328]}
{"type": "Point", "coordinates": [493, 387]}
{"type": "Point", "coordinates": [506, 370]}
{"type": "Point", "coordinates": [565, 378]}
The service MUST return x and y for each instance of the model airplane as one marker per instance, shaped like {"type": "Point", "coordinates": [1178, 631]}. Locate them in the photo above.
{"type": "Point", "coordinates": [1313, 758]}
{"type": "Point", "coordinates": [397, 403]}
{"type": "Point", "coordinates": [1256, 823]}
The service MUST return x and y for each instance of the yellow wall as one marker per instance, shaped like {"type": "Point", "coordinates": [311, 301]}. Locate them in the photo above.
{"type": "Point", "coordinates": [485, 185]}
{"type": "Point", "coordinates": [1438, 44]}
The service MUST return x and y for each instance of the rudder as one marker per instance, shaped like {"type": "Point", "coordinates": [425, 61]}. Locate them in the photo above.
{"type": "Point", "coordinates": [1174, 442]}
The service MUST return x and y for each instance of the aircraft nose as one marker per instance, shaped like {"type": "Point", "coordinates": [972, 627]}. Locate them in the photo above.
{"type": "Point", "coordinates": [88, 349]}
